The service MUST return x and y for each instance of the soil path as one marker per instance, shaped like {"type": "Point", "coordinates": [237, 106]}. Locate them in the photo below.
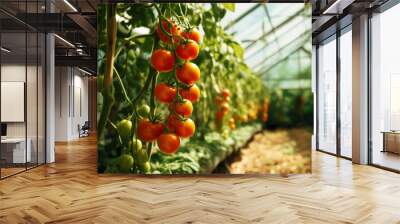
{"type": "Point", "coordinates": [283, 151]}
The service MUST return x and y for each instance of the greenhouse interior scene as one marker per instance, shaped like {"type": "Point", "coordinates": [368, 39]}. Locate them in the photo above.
{"type": "Point", "coordinates": [205, 88]}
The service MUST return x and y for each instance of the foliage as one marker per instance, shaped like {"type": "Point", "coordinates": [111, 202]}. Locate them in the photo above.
{"type": "Point", "coordinates": [291, 107]}
{"type": "Point", "coordinates": [203, 156]}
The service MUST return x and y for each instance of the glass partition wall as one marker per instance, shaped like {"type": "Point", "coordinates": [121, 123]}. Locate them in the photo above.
{"type": "Point", "coordinates": [345, 61]}
{"type": "Point", "coordinates": [327, 96]}
{"type": "Point", "coordinates": [385, 90]}
{"type": "Point", "coordinates": [334, 94]}
{"type": "Point", "coordinates": [22, 77]}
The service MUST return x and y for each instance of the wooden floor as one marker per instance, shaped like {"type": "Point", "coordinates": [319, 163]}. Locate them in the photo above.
{"type": "Point", "coordinates": [70, 191]}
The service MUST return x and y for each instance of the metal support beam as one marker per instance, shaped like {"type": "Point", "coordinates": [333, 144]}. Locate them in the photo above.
{"type": "Point", "coordinates": [76, 61]}
{"type": "Point", "coordinates": [278, 62]}
{"type": "Point", "coordinates": [299, 37]}
{"type": "Point", "coordinates": [242, 16]}
{"type": "Point", "coordinates": [279, 26]}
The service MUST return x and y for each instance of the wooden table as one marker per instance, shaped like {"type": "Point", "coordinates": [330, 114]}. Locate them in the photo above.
{"type": "Point", "coordinates": [391, 141]}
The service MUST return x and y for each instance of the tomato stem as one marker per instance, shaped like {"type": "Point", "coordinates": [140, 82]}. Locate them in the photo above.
{"type": "Point", "coordinates": [147, 82]}
{"type": "Point", "coordinates": [122, 86]}
{"type": "Point", "coordinates": [152, 98]}
{"type": "Point", "coordinates": [108, 76]}
{"type": "Point", "coordinates": [149, 149]}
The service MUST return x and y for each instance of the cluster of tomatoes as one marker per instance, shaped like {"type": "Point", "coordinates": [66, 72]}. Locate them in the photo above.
{"type": "Point", "coordinates": [126, 160]}
{"type": "Point", "coordinates": [179, 95]}
{"type": "Point", "coordinates": [222, 103]}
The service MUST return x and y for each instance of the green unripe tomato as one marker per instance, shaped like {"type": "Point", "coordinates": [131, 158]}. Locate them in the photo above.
{"type": "Point", "coordinates": [125, 163]}
{"type": "Point", "coordinates": [146, 167]}
{"type": "Point", "coordinates": [136, 145]}
{"type": "Point", "coordinates": [124, 128]}
{"type": "Point", "coordinates": [131, 54]}
{"type": "Point", "coordinates": [142, 157]}
{"type": "Point", "coordinates": [144, 111]}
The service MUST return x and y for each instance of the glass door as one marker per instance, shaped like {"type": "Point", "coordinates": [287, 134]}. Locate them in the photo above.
{"type": "Point", "coordinates": [22, 101]}
{"type": "Point", "coordinates": [14, 156]}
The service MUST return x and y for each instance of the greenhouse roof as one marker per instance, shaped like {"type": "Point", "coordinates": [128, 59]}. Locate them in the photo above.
{"type": "Point", "coordinates": [276, 38]}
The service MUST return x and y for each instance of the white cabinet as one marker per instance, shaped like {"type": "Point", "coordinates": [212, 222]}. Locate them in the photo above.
{"type": "Point", "coordinates": [17, 146]}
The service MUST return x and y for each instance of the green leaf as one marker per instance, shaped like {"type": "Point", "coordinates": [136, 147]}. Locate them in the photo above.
{"type": "Point", "coordinates": [239, 51]}
{"type": "Point", "coordinates": [229, 6]}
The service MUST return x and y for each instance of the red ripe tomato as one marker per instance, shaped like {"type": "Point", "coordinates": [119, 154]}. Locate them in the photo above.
{"type": "Point", "coordinates": [168, 143]}
{"type": "Point", "coordinates": [164, 93]}
{"type": "Point", "coordinates": [162, 60]}
{"type": "Point", "coordinates": [226, 93]}
{"type": "Point", "coordinates": [172, 120]}
{"type": "Point", "coordinates": [188, 73]}
{"type": "Point", "coordinates": [192, 93]}
{"type": "Point", "coordinates": [148, 131]}
{"type": "Point", "coordinates": [175, 31]}
{"type": "Point", "coordinates": [193, 34]}
{"type": "Point", "coordinates": [219, 115]}
{"type": "Point", "coordinates": [184, 108]}
{"type": "Point", "coordinates": [185, 129]}
{"type": "Point", "coordinates": [225, 108]}
{"type": "Point", "coordinates": [187, 51]}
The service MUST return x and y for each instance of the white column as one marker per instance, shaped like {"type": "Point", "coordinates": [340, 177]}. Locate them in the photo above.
{"type": "Point", "coordinates": [50, 94]}
{"type": "Point", "coordinates": [360, 90]}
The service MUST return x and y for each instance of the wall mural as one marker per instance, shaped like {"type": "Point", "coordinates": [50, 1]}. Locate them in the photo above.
{"type": "Point", "coordinates": [189, 88]}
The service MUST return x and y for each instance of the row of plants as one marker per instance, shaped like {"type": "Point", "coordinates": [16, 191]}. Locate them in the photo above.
{"type": "Point", "coordinates": [291, 108]}
{"type": "Point", "coordinates": [170, 79]}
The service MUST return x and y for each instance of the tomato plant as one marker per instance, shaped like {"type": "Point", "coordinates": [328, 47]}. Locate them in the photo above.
{"type": "Point", "coordinates": [166, 72]}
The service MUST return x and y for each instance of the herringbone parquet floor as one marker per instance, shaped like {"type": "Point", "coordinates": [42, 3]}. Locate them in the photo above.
{"type": "Point", "coordinates": [70, 191]}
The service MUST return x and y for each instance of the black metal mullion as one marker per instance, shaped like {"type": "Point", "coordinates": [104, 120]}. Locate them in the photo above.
{"type": "Point", "coordinates": [338, 95]}
{"type": "Point", "coordinates": [26, 87]}
{"type": "Point", "coordinates": [369, 89]}
{"type": "Point", "coordinates": [37, 90]}
{"type": "Point", "coordinates": [45, 90]}
{"type": "Point", "coordinates": [317, 97]}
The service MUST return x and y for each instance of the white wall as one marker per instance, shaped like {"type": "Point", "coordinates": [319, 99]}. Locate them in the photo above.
{"type": "Point", "coordinates": [71, 94]}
